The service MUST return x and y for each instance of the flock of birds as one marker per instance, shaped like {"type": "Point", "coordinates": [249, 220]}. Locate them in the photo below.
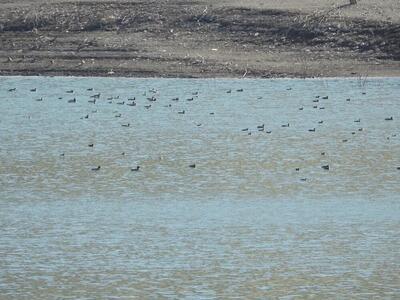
{"type": "Point", "coordinates": [151, 97]}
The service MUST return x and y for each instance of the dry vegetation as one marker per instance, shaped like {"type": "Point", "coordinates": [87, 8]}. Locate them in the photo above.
{"type": "Point", "coordinates": [173, 38]}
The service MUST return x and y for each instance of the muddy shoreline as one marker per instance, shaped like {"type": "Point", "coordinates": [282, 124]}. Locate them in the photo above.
{"type": "Point", "coordinates": [192, 40]}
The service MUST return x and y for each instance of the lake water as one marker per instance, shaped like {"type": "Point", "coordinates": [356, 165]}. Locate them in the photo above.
{"type": "Point", "coordinates": [228, 202]}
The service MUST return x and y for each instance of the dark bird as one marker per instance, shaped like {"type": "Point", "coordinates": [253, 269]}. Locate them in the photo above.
{"type": "Point", "coordinates": [72, 100]}
{"type": "Point", "coordinates": [126, 125]}
{"type": "Point", "coordinates": [322, 153]}
{"type": "Point", "coordinates": [269, 131]}
{"type": "Point", "coordinates": [118, 116]}
{"type": "Point", "coordinates": [311, 130]}
{"type": "Point", "coordinates": [325, 167]}
{"type": "Point", "coordinates": [389, 119]}
{"type": "Point", "coordinates": [357, 121]}
{"type": "Point", "coordinates": [91, 145]}
{"type": "Point", "coordinates": [320, 122]}
{"type": "Point", "coordinates": [189, 99]}
{"type": "Point", "coordinates": [132, 99]}
{"type": "Point", "coordinates": [195, 93]}
{"type": "Point", "coordinates": [360, 129]}
{"type": "Point", "coordinates": [285, 125]}
{"type": "Point", "coordinates": [239, 90]}
{"type": "Point", "coordinates": [131, 104]}
{"type": "Point", "coordinates": [297, 169]}
{"type": "Point", "coordinates": [135, 169]}
{"type": "Point", "coordinates": [92, 101]}
{"type": "Point", "coordinates": [348, 99]}
{"type": "Point", "coordinates": [344, 141]}
{"type": "Point", "coordinates": [89, 89]}
{"type": "Point", "coordinates": [147, 106]}
{"type": "Point", "coordinates": [315, 101]}
{"type": "Point", "coordinates": [96, 169]}
{"type": "Point", "coordinates": [301, 108]}
{"type": "Point", "coordinates": [326, 97]}
{"type": "Point", "coordinates": [245, 129]}
{"type": "Point", "coordinates": [40, 99]}
{"type": "Point", "coordinates": [260, 126]}
{"type": "Point", "coordinates": [192, 166]}
{"type": "Point", "coordinates": [175, 99]}
{"type": "Point", "coordinates": [121, 103]}
{"type": "Point", "coordinates": [181, 112]}
{"type": "Point", "coordinates": [229, 91]}
{"type": "Point", "coordinates": [12, 90]}
{"type": "Point", "coordinates": [33, 90]}
{"type": "Point", "coordinates": [322, 107]}
{"type": "Point", "coordinates": [95, 96]}
{"type": "Point", "coordinates": [303, 179]}
{"type": "Point", "coordinates": [70, 91]}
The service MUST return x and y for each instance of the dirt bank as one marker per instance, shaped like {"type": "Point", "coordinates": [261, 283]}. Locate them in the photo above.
{"type": "Point", "coordinates": [194, 39]}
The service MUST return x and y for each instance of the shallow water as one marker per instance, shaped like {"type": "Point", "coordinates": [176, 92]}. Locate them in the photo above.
{"type": "Point", "coordinates": [242, 224]}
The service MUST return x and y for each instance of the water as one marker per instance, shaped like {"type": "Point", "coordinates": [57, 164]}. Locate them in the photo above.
{"type": "Point", "coordinates": [242, 224]}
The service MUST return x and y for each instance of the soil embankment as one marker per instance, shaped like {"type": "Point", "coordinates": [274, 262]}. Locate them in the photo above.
{"type": "Point", "coordinates": [193, 39]}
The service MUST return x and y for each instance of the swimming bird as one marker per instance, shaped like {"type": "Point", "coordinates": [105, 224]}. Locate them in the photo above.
{"type": "Point", "coordinates": [92, 101]}
{"type": "Point", "coordinates": [126, 125]}
{"type": "Point", "coordinates": [245, 129]}
{"type": "Point", "coordinates": [301, 108]}
{"type": "Point", "coordinates": [357, 121]}
{"type": "Point", "coordinates": [175, 99]}
{"type": "Point", "coordinates": [96, 169]}
{"type": "Point", "coordinates": [33, 90]}
{"type": "Point", "coordinates": [12, 90]}
{"type": "Point", "coordinates": [389, 119]}
{"type": "Point", "coordinates": [320, 122]}
{"type": "Point", "coordinates": [195, 93]}
{"type": "Point", "coordinates": [239, 90]}
{"type": "Point", "coordinates": [135, 169]}
{"type": "Point", "coordinates": [285, 125]}
{"type": "Point", "coordinates": [118, 116]}
{"type": "Point", "coordinates": [147, 106]}
{"type": "Point", "coordinates": [297, 169]}
{"type": "Point", "coordinates": [95, 96]}
{"type": "Point", "coordinates": [315, 101]}
{"type": "Point", "coordinates": [322, 153]}
{"type": "Point", "coordinates": [348, 99]}
{"type": "Point", "coordinates": [260, 126]}
{"type": "Point", "coordinates": [91, 145]}
{"type": "Point", "coordinates": [121, 103]}
{"type": "Point", "coordinates": [132, 99]}
{"type": "Point", "coordinates": [72, 100]}
{"type": "Point", "coordinates": [70, 91]}
{"type": "Point", "coordinates": [181, 112]}
{"type": "Point", "coordinates": [131, 104]}
{"type": "Point", "coordinates": [325, 167]}
{"type": "Point", "coordinates": [322, 107]}
{"type": "Point", "coordinates": [40, 99]}
{"type": "Point", "coordinates": [269, 131]}
{"type": "Point", "coordinates": [192, 166]}
{"type": "Point", "coordinates": [89, 89]}
{"type": "Point", "coordinates": [229, 91]}
{"type": "Point", "coordinates": [189, 99]}
{"type": "Point", "coordinates": [311, 130]}
{"type": "Point", "coordinates": [325, 97]}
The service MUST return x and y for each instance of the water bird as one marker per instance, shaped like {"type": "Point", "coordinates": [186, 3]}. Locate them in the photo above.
{"type": "Point", "coordinates": [285, 125]}
{"type": "Point", "coordinates": [353, 132]}
{"type": "Point", "coordinates": [303, 179]}
{"type": "Point", "coordinates": [325, 167]}
{"type": "Point", "coordinates": [89, 89]}
{"type": "Point", "coordinates": [62, 154]}
{"type": "Point", "coordinates": [211, 113]}
{"type": "Point", "coordinates": [289, 89]}
{"type": "Point", "coordinates": [70, 91]}
{"type": "Point", "coordinates": [92, 101]}
{"type": "Point", "coordinates": [311, 130]}
{"type": "Point", "coordinates": [135, 169]}
{"type": "Point", "coordinates": [317, 96]}
{"type": "Point", "coordinates": [95, 96]}
{"type": "Point", "coordinates": [72, 100]}
{"type": "Point", "coordinates": [96, 169]}
{"type": "Point", "coordinates": [12, 90]}
{"type": "Point", "coordinates": [118, 116]}
{"type": "Point", "coordinates": [357, 121]}
{"type": "Point", "coordinates": [91, 145]}
{"type": "Point", "coordinates": [239, 90]}
{"type": "Point", "coordinates": [297, 169]}
{"type": "Point", "coordinates": [122, 153]}
{"type": "Point", "coordinates": [229, 91]}
{"type": "Point", "coordinates": [315, 106]}
{"type": "Point", "coordinates": [121, 103]}
{"type": "Point", "coordinates": [315, 101]}
{"type": "Point", "coordinates": [344, 141]}
{"type": "Point", "coordinates": [198, 125]}
{"type": "Point", "coordinates": [40, 99]}
{"type": "Point", "coordinates": [189, 99]}
{"type": "Point", "coordinates": [389, 119]}
{"type": "Point", "coordinates": [322, 107]}
{"type": "Point", "coordinates": [398, 168]}
{"type": "Point", "coordinates": [269, 131]}
{"type": "Point", "coordinates": [175, 99]}
{"type": "Point", "coordinates": [363, 93]}
{"type": "Point", "coordinates": [181, 112]}
{"type": "Point", "coordinates": [360, 129]}
{"type": "Point", "coordinates": [301, 108]}
{"type": "Point", "coordinates": [325, 97]}
{"type": "Point", "coordinates": [126, 125]}
{"type": "Point", "coordinates": [131, 104]}
{"type": "Point", "coordinates": [132, 99]}
{"type": "Point", "coordinates": [33, 90]}
{"type": "Point", "coordinates": [192, 166]}
{"type": "Point", "coordinates": [348, 99]}
{"type": "Point", "coordinates": [147, 106]}
{"type": "Point", "coordinates": [260, 126]}
{"type": "Point", "coordinates": [320, 122]}
{"type": "Point", "coordinates": [322, 153]}
{"type": "Point", "coordinates": [195, 93]}
{"type": "Point", "coordinates": [86, 117]}
{"type": "Point", "coordinates": [245, 129]}
{"type": "Point", "coordinates": [152, 99]}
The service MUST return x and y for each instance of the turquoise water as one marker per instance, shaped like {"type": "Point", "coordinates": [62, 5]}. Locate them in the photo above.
{"type": "Point", "coordinates": [257, 217]}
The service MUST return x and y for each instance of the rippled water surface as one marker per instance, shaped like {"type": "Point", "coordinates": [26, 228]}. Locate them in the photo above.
{"type": "Point", "coordinates": [231, 199]}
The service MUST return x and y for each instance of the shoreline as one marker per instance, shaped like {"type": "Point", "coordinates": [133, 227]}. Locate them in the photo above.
{"type": "Point", "coordinates": [186, 39]}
